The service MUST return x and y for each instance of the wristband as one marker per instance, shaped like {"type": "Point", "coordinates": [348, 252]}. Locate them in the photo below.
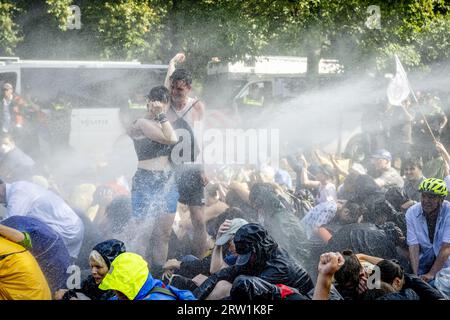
{"type": "Point", "coordinates": [161, 117]}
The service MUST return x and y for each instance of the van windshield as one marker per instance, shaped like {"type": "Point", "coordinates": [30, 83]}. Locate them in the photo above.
{"type": "Point", "coordinates": [90, 87]}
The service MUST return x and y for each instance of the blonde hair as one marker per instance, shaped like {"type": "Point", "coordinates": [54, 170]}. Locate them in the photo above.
{"type": "Point", "coordinates": [97, 258]}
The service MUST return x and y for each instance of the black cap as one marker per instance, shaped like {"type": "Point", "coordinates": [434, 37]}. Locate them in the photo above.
{"type": "Point", "coordinates": [110, 249]}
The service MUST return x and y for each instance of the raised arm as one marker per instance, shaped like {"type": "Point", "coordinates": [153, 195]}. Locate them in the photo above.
{"type": "Point", "coordinates": [179, 57]}
{"type": "Point", "coordinates": [217, 262]}
{"type": "Point", "coordinates": [367, 258]}
{"type": "Point", "coordinates": [304, 175]}
{"type": "Point", "coordinates": [329, 264]}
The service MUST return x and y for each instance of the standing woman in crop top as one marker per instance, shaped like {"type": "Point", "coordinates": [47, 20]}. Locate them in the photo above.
{"type": "Point", "coordinates": [154, 193]}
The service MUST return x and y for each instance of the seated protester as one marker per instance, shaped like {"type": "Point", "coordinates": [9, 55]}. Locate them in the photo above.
{"type": "Point", "coordinates": [329, 263]}
{"type": "Point", "coordinates": [131, 279]}
{"type": "Point", "coordinates": [350, 276]}
{"type": "Point", "coordinates": [283, 179]}
{"type": "Point", "coordinates": [362, 189]}
{"type": "Point", "coordinates": [362, 237]}
{"type": "Point", "coordinates": [28, 199]}
{"type": "Point", "coordinates": [44, 244]}
{"type": "Point", "coordinates": [100, 260]}
{"type": "Point", "coordinates": [21, 278]}
{"type": "Point", "coordinates": [229, 214]}
{"type": "Point", "coordinates": [324, 181]}
{"type": "Point", "coordinates": [385, 175]}
{"type": "Point", "coordinates": [442, 282]}
{"type": "Point", "coordinates": [403, 283]}
{"type": "Point", "coordinates": [261, 257]}
{"type": "Point", "coordinates": [413, 177]}
{"type": "Point", "coordinates": [319, 215]}
{"type": "Point", "coordinates": [223, 255]}
{"type": "Point", "coordinates": [387, 292]}
{"type": "Point", "coordinates": [280, 222]}
{"type": "Point", "coordinates": [258, 290]}
{"type": "Point", "coordinates": [428, 230]}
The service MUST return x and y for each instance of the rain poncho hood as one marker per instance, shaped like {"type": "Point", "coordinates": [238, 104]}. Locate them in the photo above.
{"type": "Point", "coordinates": [128, 274]}
{"type": "Point", "coordinates": [110, 249]}
{"type": "Point", "coordinates": [253, 238]}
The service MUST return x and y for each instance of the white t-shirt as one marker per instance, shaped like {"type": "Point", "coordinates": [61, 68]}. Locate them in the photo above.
{"type": "Point", "coordinates": [29, 199]}
{"type": "Point", "coordinates": [327, 193]}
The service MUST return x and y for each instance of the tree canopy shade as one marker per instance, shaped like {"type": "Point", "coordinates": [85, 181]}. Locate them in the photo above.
{"type": "Point", "coordinates": [153, 30]}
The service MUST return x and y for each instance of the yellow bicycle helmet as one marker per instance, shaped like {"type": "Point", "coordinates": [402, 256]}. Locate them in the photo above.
{"type": "Point", "coordinates": [434, 186]}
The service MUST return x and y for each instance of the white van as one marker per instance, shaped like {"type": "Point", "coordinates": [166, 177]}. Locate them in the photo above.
{"type": "Point", "coordinates": [95, 90]}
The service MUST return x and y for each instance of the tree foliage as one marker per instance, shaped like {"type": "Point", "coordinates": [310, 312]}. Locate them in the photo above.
{"type": "Point", "coordinates": [150, 30]}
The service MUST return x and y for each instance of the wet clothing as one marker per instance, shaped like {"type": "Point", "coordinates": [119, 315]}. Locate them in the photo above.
{"type": "Point", "coordinates": [188, 175]}
{"type": "Point", "coordinates": [109, 250]}
{"type": "Point", "coordinates": [364, 238]}
{"type": "Point", "coordinates": [142, 286]}
{"type": "Point", "coordinates": [391, 178]}
{"type": "Point", "coordinates": [424, 290]}
{"type": "Point", "coordinates": [153, 193]}
{"type": "Point", "coordinates": [406, 294]}
{"type": "Point", "coordinates": [272, 264]}
{"type": "Point", "coordinates": [21, 278]}
{"type": "Point", "coordinates": [47, 247]}
{"type": "Point", "coordinates": [319, 215]}
{"type": "Point", "coordinates": [31, 200]}
{"type": "Point", "coordinates": [417, 233]}
{"type": "Point", "coordinates": [326, 193]}
{"type": "Point", "coordinates": [148, 149]}
{"type": "Point", "coordinates": [247, 288]}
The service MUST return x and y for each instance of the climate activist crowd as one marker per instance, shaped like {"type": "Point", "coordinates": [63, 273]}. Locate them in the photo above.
{"type": "Point", "coordinates": [372, 223]}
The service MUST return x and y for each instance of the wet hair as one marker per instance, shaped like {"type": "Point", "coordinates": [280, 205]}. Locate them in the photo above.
{"type": "Point", "coordinates": [182, 75]}
{"type": "Point", "coordinates": [264, 196]}
{"type": "Point", "coordinates": [389, 270]}
{"type": "Point", "coordinates": [348, 275]}
{"type": "Point", "coordinates": [229, 214]}
{"type": "Point", "coordinates": [97, 258]}
{"type": "Point", "coordinates": [159, 93]}
{"type": "Point", "coordinates": [355, 211]}
{"type": "Point", "coordinates": [396, 197]}
{"type": "Point", "coordinates": [413, 162]}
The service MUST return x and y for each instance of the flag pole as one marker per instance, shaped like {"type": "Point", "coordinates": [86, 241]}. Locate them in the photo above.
{"type": "Point", "coordinates": [417, 101]}
{"type": "Point", "coordinates": [421, 112]}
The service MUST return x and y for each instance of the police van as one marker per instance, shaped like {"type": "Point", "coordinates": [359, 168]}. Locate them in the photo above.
{"type": "Point", "coordinates": [99, 96]}
{"type": "Point", "coordinates": [254, 84]}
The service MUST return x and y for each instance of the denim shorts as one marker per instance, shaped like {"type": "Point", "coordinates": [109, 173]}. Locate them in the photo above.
{"type": "Point", "coordinates": [153, 193]}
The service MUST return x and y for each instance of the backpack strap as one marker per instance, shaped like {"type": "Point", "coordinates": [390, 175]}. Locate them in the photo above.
{"type": "Point", "coordinates": [163, 291]}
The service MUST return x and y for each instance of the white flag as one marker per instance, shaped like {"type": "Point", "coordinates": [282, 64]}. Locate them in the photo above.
{"type": "Point", "coordinates": [398, 89]}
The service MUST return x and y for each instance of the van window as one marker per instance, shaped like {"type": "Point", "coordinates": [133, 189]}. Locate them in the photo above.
{"type": "Point", "coordinates": [90, 87]}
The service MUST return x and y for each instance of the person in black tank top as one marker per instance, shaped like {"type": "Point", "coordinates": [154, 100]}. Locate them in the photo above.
{"type": "Point", "coordinates": [154, 193]}
{"type": "Point", "coordinates": [190, 176]}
